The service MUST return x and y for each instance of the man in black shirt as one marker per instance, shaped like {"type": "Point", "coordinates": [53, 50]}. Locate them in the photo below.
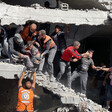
{"type": "Point", "coordinates": [59, 39]}
{"type": "Point", "coordinates": [82, 70]}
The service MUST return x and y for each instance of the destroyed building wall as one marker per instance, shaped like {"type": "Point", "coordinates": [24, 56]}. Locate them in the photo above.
{"type": "Point", "coordinates": [55, 92]}
{"type": "Point", "coordinates": [8, 98]}
{"type": "Point", "coordinates": [77, 4]}
{"type": "Point", "coordinates": [29, 2]}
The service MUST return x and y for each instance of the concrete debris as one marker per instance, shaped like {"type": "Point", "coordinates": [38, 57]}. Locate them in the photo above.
{"type": "Point", "coordinates": [19, 15]}
{"type": "Point", "coordinates": [64, 6]}
{"type": "Point", "coordinates": [36, 6]}
{"type": "Point", "coordinates": [66, 95]}
{"type": "Point", "coordinates": [106, 3]}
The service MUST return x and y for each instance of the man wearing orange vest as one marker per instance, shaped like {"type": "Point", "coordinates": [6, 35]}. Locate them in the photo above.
{"type": "Point", "coordinates": [26, 95]}
{"type": "Point", "coordinates": [48, 48]}
{"type": "Point", "coordinates": [28, 33]}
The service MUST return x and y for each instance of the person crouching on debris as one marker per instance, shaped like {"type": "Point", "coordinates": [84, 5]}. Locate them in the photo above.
{"type": "Point", "coordinates": [49, 48]}
{"type": "Point", "coordinates": [17, 51]}
{"type": "Point", "coordinates": [68, 54]}
{"type": "Point", "coordinates": [25, 94]}
{"type": "Point", "coordinates": [35, 55]}
{"type": "Point", "coordinates": [82, 70]}
{"type": "Point", "coordinates": [28, 33]}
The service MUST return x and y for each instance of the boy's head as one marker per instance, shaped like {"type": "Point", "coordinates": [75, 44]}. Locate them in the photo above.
{"type": "Point", "coordinates": [90, 51]}
{"type": "Point", "coordinates": [28, 84]}
{"type": "Point", "coordinates": [29, 45]}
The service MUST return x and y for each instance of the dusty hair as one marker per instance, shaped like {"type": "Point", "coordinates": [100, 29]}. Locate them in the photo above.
{"type": "Point", "coordinates": [76, 43]}
{"type": "Point", "coordinates": [29, 43]}
{"type": "Point", "coordinates": [43, 32]}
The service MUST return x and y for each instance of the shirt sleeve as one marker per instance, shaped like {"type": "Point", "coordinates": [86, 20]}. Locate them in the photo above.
{"type": "Point", "coordinates": [75, 54]}
{"type": "Point", "coordinates": [92, 62]}
{"type": "Point", "coordinates": [19, 87]}
{"type": "Point", "coordinates": [11, 47]}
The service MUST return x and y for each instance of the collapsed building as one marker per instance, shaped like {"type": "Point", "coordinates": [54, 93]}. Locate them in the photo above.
{"type": "Point", "coordinates": [88, 21]}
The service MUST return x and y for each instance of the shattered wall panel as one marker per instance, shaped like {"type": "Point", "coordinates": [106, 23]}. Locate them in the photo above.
{"type": "Point", "coordinates": [19, 15]}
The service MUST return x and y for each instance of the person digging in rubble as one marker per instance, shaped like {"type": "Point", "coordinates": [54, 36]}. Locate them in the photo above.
{"type": "Point", "coordinates": [28, 33]}
{"type": "Point", "coordinates": [4, 43]}
{"type": "Point", "coordinates": [25, 94]}
{"type": "Point", "coordinates": [35, 55]}
{"type": "Point", "coordinates": [68, 54]}
{"type": "Point", "coordinates": [17, 51]}
{"type": "Point", "coordinates": [49, 49]}
{"type": "Point", "coordinates": [82, 70]}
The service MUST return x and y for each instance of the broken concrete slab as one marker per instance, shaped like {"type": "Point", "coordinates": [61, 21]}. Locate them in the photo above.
{"type": "Point", "coordinates": [84, 4]}
{"type": "Point", "coordinates": [66, 95]}
{"type": "Point", "coordinates": [19, 15]}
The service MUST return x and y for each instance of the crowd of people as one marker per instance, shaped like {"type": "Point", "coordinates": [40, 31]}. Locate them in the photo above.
{"type": "Point", "coordinates": [33, 47]}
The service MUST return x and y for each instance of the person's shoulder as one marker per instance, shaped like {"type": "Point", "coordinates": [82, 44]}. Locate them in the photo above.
{"type": "Point", "coordinates": [11, 40]}
{"type": "Point", "coordinates": [60, 32]}
{"type": "Point", "coordinates": [48, 36]}
{"type": "Point", "coordinates": [91, 59]}
{"type": "Point", "coordinates": [20, 88]}
{"type": "Point", "coordinates": [70, 47]}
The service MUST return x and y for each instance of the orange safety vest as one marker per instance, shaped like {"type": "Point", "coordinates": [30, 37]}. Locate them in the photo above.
{"type": "Point", "coordinates": [25, 34]}
{"type": "Point", "coordinates": [25, 100]}
{"type": "Point", "coordinates": [47, 38]}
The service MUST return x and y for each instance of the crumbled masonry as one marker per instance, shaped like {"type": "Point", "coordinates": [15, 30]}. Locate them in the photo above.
{"type": "Point", "coordinates": [19, 15]}
{"type": "Point", "coordinates": [66, 95]}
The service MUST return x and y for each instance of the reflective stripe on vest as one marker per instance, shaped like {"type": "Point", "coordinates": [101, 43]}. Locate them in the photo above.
{"type": "Point", "coordinates": [47, 38]}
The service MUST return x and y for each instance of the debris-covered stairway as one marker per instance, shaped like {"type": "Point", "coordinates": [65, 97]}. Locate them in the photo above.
{"type": "Point", "coordinates": [65, 95]}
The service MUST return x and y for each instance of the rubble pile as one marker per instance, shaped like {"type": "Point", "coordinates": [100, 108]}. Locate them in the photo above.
{"type": "Point", "coordinates": [66, 95]}
{"type": "Point", "coordinates": [106, 3]}
{"type": "Point", "coordinates": [19, 15]}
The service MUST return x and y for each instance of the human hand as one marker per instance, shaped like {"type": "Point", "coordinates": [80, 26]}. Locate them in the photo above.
{"type": "Point", "coordinates": [34, 74]}
{"type": "Point", "coordinates": [37, 44]}
{"type": "Point", "coordinates": [75, 60]}
{"type": "Point", "coordinates": [42, 55]}
{"type": "Point", "coordinates": [98, 68]}
{"type": "Point", "coordinates": [21, 55]}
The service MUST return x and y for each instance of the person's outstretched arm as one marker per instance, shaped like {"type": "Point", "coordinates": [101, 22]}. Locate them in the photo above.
{"type": "Point", "coordinates": [34, 80]}
{"type": "Point", "coordinates": [21, 79]}
{"type": "Point", "coordinates": [106, 69]}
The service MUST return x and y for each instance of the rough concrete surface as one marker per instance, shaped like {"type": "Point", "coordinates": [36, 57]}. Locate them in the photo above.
{"type": "Point", "coordinates": [66, 95]}
{"type": "Point", "coordinates": [19, 15]}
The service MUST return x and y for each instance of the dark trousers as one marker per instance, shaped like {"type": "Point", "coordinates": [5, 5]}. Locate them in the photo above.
{"type": "Point", "coordinates": [83, 79]}
{"type": "Point", "coordinates": [65, 66]}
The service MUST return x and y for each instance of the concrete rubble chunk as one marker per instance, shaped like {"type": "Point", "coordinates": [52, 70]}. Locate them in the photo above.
{"type": "Point", "coordinates": [66, 95]}
{"type": "Point", "coordinates": [19, 15]}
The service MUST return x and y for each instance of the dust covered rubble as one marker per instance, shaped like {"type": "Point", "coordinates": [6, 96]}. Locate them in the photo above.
{"type": "Point", "coordinates": [68, 96]}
